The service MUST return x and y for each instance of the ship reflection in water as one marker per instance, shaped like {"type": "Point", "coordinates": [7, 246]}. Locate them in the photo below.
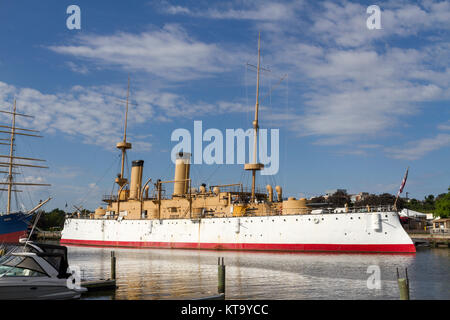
{"type": "Point", "coordinates": [185, 274]}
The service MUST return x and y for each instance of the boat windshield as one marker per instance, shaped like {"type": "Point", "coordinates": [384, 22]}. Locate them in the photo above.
{"type": "Point", "coordinates": [16, 266]}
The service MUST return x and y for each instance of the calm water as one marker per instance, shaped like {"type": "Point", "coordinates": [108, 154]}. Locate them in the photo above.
{"type": "Point", "coordinates": [186, 274]}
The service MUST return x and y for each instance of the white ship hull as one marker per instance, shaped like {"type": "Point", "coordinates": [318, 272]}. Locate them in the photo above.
{"type": "Point", "coordinates": [341, 232]}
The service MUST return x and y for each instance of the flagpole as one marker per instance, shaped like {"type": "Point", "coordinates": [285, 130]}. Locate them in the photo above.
{"type": "Point", "coordinates": [401, 189]}
{"type": "Point", "coordinates": [395, 202]}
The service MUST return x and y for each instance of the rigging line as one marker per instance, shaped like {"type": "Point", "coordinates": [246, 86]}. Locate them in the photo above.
{"type": "Point", "coordinates": [283, 178]}
{"type": "Point", "coordinates": [246, 90]}
{"type": "Point", "coordinates": [96, 183]}
{"type": "Point", "coordinates": [214, 171]}
{"type": "Point", "coordinates": [127, 167]}
{"type": "Point", "coordinates": [17, 201]}
{"type": "Point", "coordinates": [33, 154]}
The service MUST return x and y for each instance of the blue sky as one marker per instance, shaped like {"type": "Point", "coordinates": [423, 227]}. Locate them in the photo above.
{"type": "Point", "coordinates": [358, 107]}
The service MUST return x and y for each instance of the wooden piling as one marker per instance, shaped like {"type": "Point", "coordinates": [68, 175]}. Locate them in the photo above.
{"type": "Point", "coordinates": [221, 278]}
{"type": "Point", "coordinates": [113, 265]}
{"type": "Point", "coordinates": [403, 286]}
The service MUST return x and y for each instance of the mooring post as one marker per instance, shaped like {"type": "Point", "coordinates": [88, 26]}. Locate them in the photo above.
{"type": "Point", "coordinates": [113, 265]}
{"type": "Point", "coordinates": [221, 272]}
{"type": "Point", "coordinates": [403, 286]}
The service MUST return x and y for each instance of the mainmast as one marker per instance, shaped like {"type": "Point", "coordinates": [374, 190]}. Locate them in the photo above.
{"type": "Point", "coordinates": [255, 166]}
{"type": "Point", "coordinates": [10, 163]}
{"type": "Point", "coordinates": [124, 145]}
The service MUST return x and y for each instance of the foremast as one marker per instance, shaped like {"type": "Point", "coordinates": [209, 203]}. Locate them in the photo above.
{"type": "Point", "coordinates": [123, 146]}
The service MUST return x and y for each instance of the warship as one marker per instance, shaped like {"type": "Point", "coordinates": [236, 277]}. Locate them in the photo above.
{"type": "Point", "coordinates": [229, 216]}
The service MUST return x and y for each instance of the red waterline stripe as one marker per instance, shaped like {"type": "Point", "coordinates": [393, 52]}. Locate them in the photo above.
{"type": "Point", "coordinates": [12, 237]}
{"type": "Point", "coordinates": [404, 248]}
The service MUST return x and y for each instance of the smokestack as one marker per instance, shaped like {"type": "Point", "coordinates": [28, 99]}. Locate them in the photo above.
{"type": "Point", "coordinates": [182, 166]}
{"type": "Point", "coordinates": [270, 191]}
{"type": "Point", "coordinates": [146, 191]}
{"type": "Point", "coordinates": [136, 179]}
{"type": "Point", "coordinates": [279, 193]}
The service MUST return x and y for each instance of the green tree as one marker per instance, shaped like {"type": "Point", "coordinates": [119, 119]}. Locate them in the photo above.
{"type": "Point", "coordinates": [52, 219]}
{"type": "Point", "coordinates": [339, 199]}
{"type": "Point", "coordinates": [443, 205]}
{"type": "Point", "coordinates": [384, 199]}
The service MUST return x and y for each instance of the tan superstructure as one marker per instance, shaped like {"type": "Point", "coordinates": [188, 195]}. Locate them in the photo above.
{"type": "Point", "coordinates": [187, 202]}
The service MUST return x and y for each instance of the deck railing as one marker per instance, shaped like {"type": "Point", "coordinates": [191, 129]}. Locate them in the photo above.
{"type": "Point", "coordinates": [251, 213]}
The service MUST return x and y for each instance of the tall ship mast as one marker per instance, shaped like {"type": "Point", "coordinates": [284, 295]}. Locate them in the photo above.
{"type": "Point", "coordinates": [255, 166]}
{"type": "Point", "coordinates": [228, 216]}
{"type": "Point", "coordinates": [14, 225]}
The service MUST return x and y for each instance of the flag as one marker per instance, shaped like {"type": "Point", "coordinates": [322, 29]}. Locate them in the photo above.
{"type": "Point", "coordinates": [403, 183]}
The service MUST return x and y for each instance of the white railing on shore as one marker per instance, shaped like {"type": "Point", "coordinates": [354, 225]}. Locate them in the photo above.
{"type": "Point", "coordinates": [440, 230]}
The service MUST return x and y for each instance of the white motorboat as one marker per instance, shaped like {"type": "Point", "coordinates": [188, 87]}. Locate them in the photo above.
{"type": "Point", "coordinates": [38, 272]}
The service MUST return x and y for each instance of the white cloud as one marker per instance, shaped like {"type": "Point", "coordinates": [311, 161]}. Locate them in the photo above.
{"type": "Point", "coordinates": [444, 126]}
{"type": "Point", "coordinates": [417, 149]}
{"type": "Point", "coordinates": [77, 68]}
{"type": "Point", "coordinates": [168, 53]}
{"type": "Point", "coordinates": [350, 83]}
{"type": "Point", "coordinates": [33, 179]}
{"type": "Point", "coordinates": [95, 114]}
{"type": "Point", "coordinates": [242, 10]}
{"type": "Point", "coordinates": [358, 93]}
{"type": "Point", "coordinates": [344, 22]}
